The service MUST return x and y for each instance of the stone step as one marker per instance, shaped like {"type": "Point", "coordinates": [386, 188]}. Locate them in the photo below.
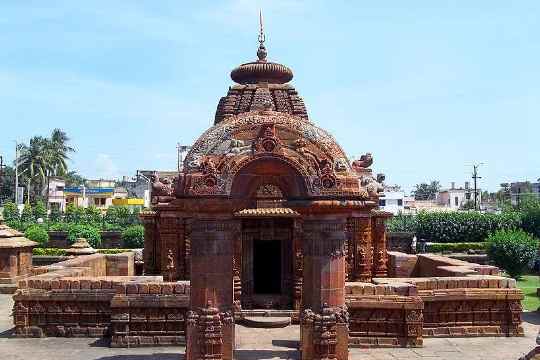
{"type": "Point", "coordinates": [268, 313]}
{"type": "Point", "coordinates": [265, 322]}
{"type": "Point", "coordinates": [8, 288]}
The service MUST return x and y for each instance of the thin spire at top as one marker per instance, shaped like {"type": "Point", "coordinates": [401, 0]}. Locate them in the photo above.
{"type": "Point", "coordinates": [261, 52]}
{"type": "Point", "coordinates": [262, 38]}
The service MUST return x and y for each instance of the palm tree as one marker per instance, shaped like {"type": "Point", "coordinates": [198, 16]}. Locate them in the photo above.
{"type": "Point", "coordinates": [44, 157]}
{"type": "Point", "coordinates": [58, 152]}
{"type": "Point", "coordinates": [33, 161]}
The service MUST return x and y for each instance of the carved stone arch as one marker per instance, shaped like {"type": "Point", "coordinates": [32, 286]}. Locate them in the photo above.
{"type": "Point", "coordinates": [269, 170]}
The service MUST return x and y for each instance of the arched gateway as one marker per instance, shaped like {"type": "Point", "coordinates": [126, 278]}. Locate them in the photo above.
{"type": "Point", "coordinates": [268, 212]}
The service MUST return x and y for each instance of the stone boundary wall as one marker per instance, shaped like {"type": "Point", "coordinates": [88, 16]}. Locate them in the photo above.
{"type": "Point", "coordinates": [474, 305]}
{"type": "Point", "coordinates": [385, 315]}
{"type": "Point", "coordinates": [97, 295]}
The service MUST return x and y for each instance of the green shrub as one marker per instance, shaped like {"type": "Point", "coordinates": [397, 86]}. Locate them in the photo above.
{"type": "Point", "coordinates": [512, 250]}
{"type": "Point", "coordinates": [59, 226]}
{"type": "Point", "coordinates": [112, 227]}
{"type": "Point", "coordinates": [455, 247]}
{"type": "Point", "coordinates": [92, 215]}
{"type": "Point", "coordinates": [459, 226]}
{"type": "Point", "coordinates": [55, 215]}
{"type": "Point", "coordinates": [133, 236]}
{"type": "Point", "coordinates": [74, 214]}
{"type": "Point", "coordinates": [40, 211]}
{"type": "Point", "coordinates": [530, 212]}
{"type": "Point", "coordinates": [27, 213]}
{"type": "Point", "coordinates": [89, 232]}
{"type": "Point", "coordinates": [10, 211]}
{"type": "Point", "coordinates": [19, 224]}
{"type": "Point", "coordinates": [402, 223]}
{"type": "Point", "coordinates": [49, 251]}
{"type": "Point", "coordinates": [37, 233]}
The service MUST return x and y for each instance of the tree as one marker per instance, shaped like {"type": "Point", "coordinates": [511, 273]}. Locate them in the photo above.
{"type": "Point", "coordinates": [426, 191]}
{"type": "Point", "coordinates": [33, 162]}
{"type": "Point", "coordinates": [40, 211]}
{"type": "Point", "coordinates": [43, 157]}
{"type": "Point", "coordinates": [10, 211]}
{"type": "Point", "coordinates": [72, 178]}
{"type": "Point", "coordinates": [7, 184]}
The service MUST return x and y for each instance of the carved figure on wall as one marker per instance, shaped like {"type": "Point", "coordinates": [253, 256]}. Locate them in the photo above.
{"type": "Point", "coordinates": [169, 272]}
{"type": "Point", "coordinates": [328, 179]}
{"type": "Point", "coordinates": [162, 189]}
{"type": "Point", "coordinates": [364, 162]}
{"type": "Point", "coordinates": [267, 141]}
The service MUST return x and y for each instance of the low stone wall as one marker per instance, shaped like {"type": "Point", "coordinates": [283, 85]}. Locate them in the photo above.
{"type": "Point", "coordinates": [155, 315]}
{"type": "Point", "coordinates": [474, 305]}
{"type": "Point", "coordinates": [97, 295]}
{"type": "Point", "coordinates": [427, 265]}
{"type": "Point", "coordinates": [385, 315]}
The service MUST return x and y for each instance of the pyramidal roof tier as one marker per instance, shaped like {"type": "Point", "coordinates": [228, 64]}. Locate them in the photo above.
{"type": "Point", "coordinates": [261, 84]}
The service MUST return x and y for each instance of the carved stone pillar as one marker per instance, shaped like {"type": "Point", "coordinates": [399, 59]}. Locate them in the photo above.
{"type": "Point", "coordinates": [361, 246]}
{"type": "Point", "coordinates": [380, 257]}
{"type": "Point", "coordinates": [211, 328]}
{"type": "Point", "coordinates": [148, 219]}
{"type": "Point", "coordinates": [298, 263]}
{"type": "Point", "coordinates": [237, 270]}
{"type": "Point", "coordinates": [325, 335]}
{"type": "Point", "coordinates": [212, 251]}
{"type": "Point", "coordinates": [171, 238]}
{"type": "Point", "coordinates": [323, 290]}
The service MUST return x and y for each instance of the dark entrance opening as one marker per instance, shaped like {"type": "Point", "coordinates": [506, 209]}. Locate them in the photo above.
{"type": "Point", "coordinates": [267, 266]}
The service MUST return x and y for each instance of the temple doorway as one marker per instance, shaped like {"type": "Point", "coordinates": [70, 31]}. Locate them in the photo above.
{"type": "Point", "coordinates": [267, 267]}
{"type": "Point", "coordinates": [267, 275]}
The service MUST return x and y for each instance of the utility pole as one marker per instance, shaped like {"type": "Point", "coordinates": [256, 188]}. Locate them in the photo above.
{"type": "Point", "coordinates": [475, 178]}
{"type": "Point", "coordinates": [181, 149]}
{"type": "Point", "coordinates": [2, 166]}
{"type": "Point", "coordinates": [16, 173]}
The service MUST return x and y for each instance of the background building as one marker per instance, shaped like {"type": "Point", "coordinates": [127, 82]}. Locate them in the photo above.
{"type": "Point", "coordinates": [456, 198]}
{"type": "Point", "coordinates": [521, 189]}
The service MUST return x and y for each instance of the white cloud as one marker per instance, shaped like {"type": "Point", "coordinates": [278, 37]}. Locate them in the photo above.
{"type": "Point", "coordinates": [105, 167]}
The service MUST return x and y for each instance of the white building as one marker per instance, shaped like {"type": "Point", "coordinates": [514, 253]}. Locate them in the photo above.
{"type": "Point", "coordinates": [456, 198]}
{"type": "Point", "coordinates": [55, 194]}
{"type": "Point", "coordinates": [392, 200]}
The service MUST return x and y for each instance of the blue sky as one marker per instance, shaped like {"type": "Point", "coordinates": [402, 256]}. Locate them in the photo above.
{"type": "Point", "coordinates": [428, 87]}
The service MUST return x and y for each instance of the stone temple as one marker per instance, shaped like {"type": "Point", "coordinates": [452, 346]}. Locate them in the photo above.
{"type": "Point", "coordinates": [268, 212]}
{"type": "Point", "coordinates": [267, 216]}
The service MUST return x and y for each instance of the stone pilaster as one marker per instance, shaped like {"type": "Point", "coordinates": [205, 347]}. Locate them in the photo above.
{"type": "Point", "coordinates": [171, 239]}
{"type": "Point", "coordinates": [380, 257]}
{"type": "Point", "coordinates": [323, 290]}
{"type": "Point", "coordinates": [361, 246]}
{"type": "Point", "coordinates": [324, 335]}
{"type": "Point", "coordinates": [298, 263]}
{"type": "Point", "coordinates": [148, 219]}
{"type": "Point", "coordinates": [211, 293]}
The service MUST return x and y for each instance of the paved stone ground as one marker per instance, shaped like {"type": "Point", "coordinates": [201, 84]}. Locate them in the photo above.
{"type": "Point", "coordinates": [260, 344]}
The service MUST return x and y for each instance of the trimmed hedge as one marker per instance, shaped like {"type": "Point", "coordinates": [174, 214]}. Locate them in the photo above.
{"type": "Point", "coordinates": [459, 226]}
{"type": "Point", "coordinates": [62, 252]}
{"type": "Point", "coordinates": [49, 252]}
{"type": "Point", "coordinates": [455, 247]}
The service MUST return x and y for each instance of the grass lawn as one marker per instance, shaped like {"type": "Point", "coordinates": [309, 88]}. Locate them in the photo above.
{"type": "Point", "coordinates": [528, 284]}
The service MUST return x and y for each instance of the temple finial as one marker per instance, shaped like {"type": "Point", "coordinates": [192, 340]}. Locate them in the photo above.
{"type": "Point", "coordinates": [261, 52]}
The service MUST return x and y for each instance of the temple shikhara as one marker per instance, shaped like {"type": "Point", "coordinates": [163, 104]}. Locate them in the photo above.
{"type": "Point", "coordinates": [268, 217]}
